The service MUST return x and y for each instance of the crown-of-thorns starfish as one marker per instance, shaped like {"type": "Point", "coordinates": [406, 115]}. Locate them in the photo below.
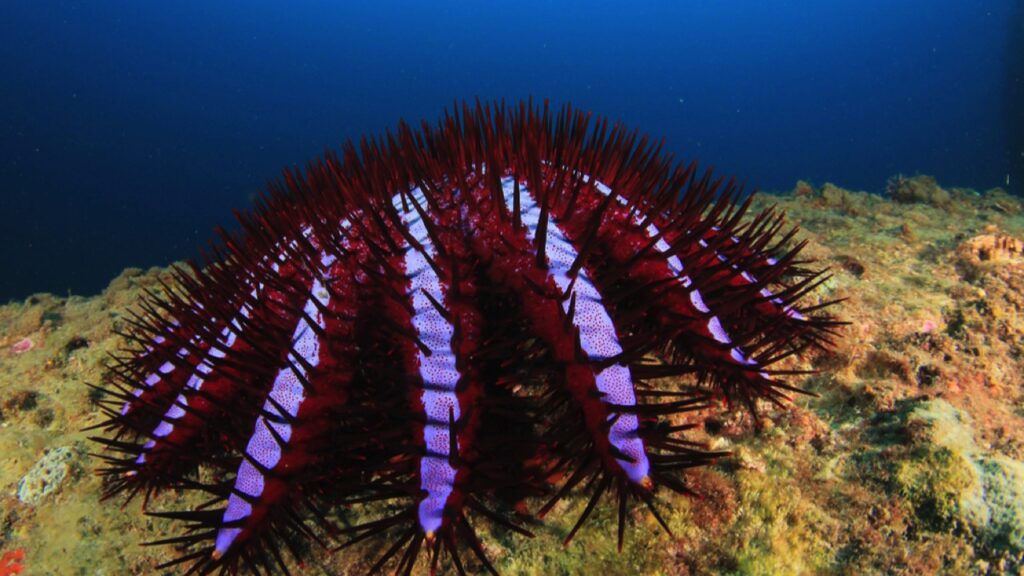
{"type": "Point", "coordinates": [450, 325]}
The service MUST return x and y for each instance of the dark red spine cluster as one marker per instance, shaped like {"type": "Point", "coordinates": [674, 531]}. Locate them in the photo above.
{"type": "Point", "coordinates": [447, 326]}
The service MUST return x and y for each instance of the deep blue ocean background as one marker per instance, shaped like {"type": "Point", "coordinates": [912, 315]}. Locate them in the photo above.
{"type": "Point", "coordinates": [129, 129]}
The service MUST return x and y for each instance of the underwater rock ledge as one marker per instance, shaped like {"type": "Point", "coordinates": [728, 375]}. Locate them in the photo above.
{"type": "Point", "coordinates": [909, 460]}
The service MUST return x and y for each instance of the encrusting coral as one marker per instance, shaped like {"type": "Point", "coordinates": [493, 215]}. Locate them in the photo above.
{"type": "Point", "coordinates": [11, 562]}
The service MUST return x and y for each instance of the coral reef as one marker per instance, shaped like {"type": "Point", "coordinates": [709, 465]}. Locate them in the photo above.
{"type": "Point", "coordinates": [907, 462]}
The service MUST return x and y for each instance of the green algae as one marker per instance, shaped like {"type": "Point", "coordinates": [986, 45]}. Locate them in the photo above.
{"type": "Point", "coordinates": [594, 550]}
{"type": "Point", "coordinates": [932, 480]}
{"type": "Point", "coordinates": [778, 529]}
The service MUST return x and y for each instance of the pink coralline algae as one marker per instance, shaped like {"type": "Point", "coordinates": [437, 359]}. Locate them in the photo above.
{"type": "Point", "coordinates": [23, 345]}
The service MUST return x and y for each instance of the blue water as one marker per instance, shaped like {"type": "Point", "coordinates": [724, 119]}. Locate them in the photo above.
{"type": "Point", "coordinates": [129, 129]}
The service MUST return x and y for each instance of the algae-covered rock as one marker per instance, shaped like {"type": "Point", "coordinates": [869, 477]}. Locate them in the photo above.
{"type": "Point", "coordinates": [836, 197]}
{"type": "Point", "coordinates": [803, 189]}
{"type": "Point", "coordinates": [918, 189]}
{"type": "Point", "coordinates": [950, 473]}
{"type": "Point", "coordinates": [999, 200]}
